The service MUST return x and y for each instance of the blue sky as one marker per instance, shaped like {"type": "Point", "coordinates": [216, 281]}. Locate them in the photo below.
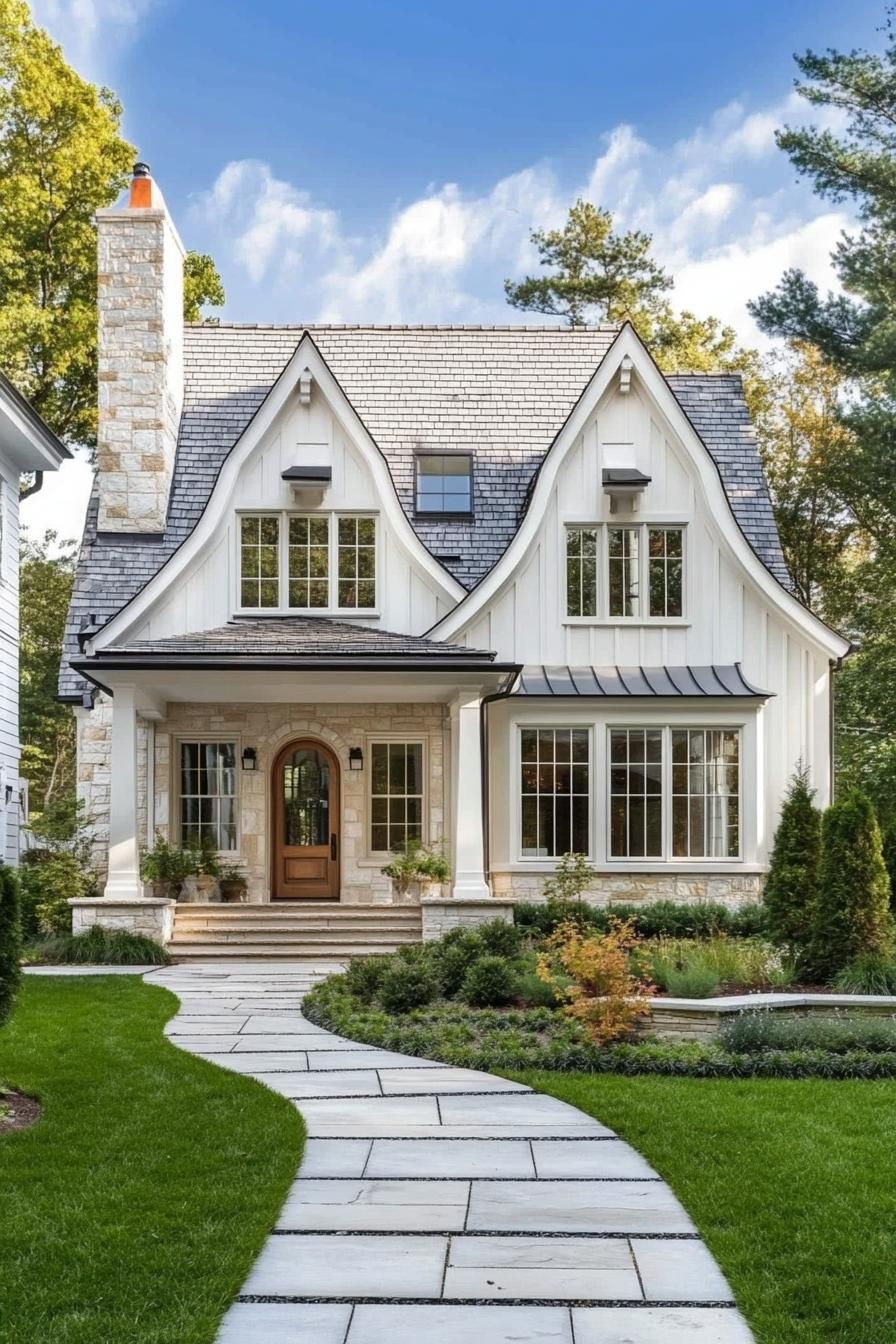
{"type": "Point", "coordinates": [386, 161]}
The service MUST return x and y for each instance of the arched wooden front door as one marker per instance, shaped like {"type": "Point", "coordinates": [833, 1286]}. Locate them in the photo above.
{"type": "Point", "coordinates": [305, 811]}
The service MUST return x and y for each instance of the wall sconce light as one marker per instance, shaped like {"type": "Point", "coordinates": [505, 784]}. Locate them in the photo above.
{"type": "Point", "coordinates": [355, 758]}
{"type": "Point", "coordinates": [249, 758]}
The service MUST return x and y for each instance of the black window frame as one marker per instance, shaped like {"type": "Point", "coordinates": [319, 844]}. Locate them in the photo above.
{"type": "Point", "coordinates": [459, 514]}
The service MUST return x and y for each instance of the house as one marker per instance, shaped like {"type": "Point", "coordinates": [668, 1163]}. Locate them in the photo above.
{"type": "Point", "coordinates": [507, 589]}
{"type": "Point", "coordinates": [27, 445]}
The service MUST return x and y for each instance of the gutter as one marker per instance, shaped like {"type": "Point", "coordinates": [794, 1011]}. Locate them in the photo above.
{"type": "Point", "coordinates": [505, 691]}
{"type": "Point", "coordinates": [285, 662]}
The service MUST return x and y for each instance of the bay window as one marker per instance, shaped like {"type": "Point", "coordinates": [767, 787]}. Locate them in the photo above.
{"type": "Point", "coordinates": [311, 562]}
{"type": "Point", "coordinates": [555, 791]}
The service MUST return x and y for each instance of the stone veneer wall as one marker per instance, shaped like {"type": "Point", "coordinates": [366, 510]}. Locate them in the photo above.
{"type": "Point", "coordinates": [268, 728]}
{"type": "Point", "coordinates": [736, 888]}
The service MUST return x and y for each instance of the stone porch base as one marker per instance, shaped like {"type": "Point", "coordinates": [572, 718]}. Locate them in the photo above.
{"type": "Point", "coordinates": [642, 888]}
{"type": "Point", "coordinates": [152, 916]}
{"type": "Point", "coordinates": [439, 916]}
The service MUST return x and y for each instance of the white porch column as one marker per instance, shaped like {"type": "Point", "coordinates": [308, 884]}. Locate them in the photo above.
{"type": "Point", "coordinates": [123, 882]}
{"type": "Point", "coordinates": [470, 882]}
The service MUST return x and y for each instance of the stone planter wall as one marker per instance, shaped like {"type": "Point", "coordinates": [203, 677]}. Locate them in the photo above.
{"type": "Point", "coordinates": [702, 1019]}
{"type": "Point", "coordinates": [634, 888]}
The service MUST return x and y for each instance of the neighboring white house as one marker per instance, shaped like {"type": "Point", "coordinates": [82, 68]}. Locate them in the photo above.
{"type": "Point", "coordinates": [26, 445]}
{"type": "Point", "coordinates": [508, 589]}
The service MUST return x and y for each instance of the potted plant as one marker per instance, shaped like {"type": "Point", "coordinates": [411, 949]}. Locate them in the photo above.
{"type": "Point", "coordinates": [166, 867]}
{"type": "Point", "coordinates": [415, 865]}
{"type": "Point", "coordinates": [232, 882]}
{"type": "Point", "coordinates": [433, 871]}
{"type": "Point", "coordinates": [203, 884]}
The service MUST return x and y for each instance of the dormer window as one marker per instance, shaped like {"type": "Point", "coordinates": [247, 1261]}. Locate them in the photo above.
{"type": "Point", "coordinates": [312, 562]}
{"type": "Point", "coordinates": [444, 484]}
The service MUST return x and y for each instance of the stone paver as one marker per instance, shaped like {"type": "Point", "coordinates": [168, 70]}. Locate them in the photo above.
{"type": "Point", "coordinates": [441, 1204]}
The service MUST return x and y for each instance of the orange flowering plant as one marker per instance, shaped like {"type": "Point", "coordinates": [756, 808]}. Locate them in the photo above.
{"type": "Point", "coordinates": [593, 973]}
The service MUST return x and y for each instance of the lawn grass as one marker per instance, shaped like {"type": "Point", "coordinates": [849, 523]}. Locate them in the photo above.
{"type": "Point", "coordinates": [792, 1184]}
{"type": "Point", "coordinates": [133, 1210]}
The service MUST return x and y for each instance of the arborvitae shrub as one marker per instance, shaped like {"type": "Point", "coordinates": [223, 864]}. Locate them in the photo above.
{"type": "Point", "coordinates": [888, 848]}
{"type": "Point", "coordinates": [488, 983]}
{"type": "Point", "coordinates": [791, 888]}
{"type": "Point", "coordinates": [10, 940]}
{"type": "Point", "coordinates": [852, 912]}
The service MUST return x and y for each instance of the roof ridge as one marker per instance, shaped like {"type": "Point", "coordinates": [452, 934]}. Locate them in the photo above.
{"type": "Point", "coordinates": [403, 326]}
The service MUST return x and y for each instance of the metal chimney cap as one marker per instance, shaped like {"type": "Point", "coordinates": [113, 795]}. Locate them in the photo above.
{"type": "Point", "coordinates": [142, 170]}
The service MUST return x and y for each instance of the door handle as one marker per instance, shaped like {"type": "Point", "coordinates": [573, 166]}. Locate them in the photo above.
{"type": "Point", "coordinates": [333, 846]}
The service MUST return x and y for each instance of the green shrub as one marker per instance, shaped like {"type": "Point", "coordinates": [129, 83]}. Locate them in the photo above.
{"type": "Point", "coordinates": [452, 957]}
{"type": "Point", "coordinates": [10, 940]}
{"type": "Point", "coordinates": [852, 912]}
{"type": "Point", "coordinates": [544, 917]}
{"type": "Point", "coordinates": [767, 1030]}
{"type": "Point", "coordinates": [693, 982]}
{"type": "Point", "coordinates": [872, 973]}
{"type": "Point", "coordinates": [99, 947]}
{"type": "Point", "coordinates": [888, 849]}
{"type": "Point", "coordinates": [659, 919]}
{"type": "Point", "coordinates": [47, 886]}
{"type": "Point", "coordinates": [533, 992]}
{"type": "Point", "coordinates": [408, 984]}
{"type": "Point", "coordinates": [365, 975]}
{"type": "Point", "coordinates": [570, 879]}
{"type": "Point", "coordinates": [500, 938]}
{"type": "Point", "coordinates": [488, 983]}
{"type": "Point", "coordinates": [791, 887]}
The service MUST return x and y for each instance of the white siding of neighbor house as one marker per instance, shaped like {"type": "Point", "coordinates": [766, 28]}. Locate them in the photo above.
{"type": "Point", "coordinates": [9, 658]}
{"type": "Point", "coordinates": [205, 596]}
{"type": "Point", "coordinates": [726, 619]}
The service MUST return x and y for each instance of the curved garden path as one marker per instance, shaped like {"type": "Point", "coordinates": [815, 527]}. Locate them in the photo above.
{"type": "Point", "coordinates": [442, 1205]}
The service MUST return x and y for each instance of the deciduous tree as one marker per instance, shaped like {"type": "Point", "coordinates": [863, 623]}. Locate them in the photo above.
{"type": "Point", "coordinates": [47, 727]}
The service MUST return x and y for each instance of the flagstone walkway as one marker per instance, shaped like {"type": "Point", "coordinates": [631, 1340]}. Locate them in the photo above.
{"type": "Point", "coordinates": [441, 1205]}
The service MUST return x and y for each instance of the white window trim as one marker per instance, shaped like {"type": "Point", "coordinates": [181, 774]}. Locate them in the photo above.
{"type": "Point", "coordinates": [332, 609]}
{"type": "Point", "coordinates": [667, 858]}
{"type": "Point", "coordinates": [405, 739]}
{"type": "Point", "coordinates": [516, 812]}
{"type": "Point", "coordinates": [174, 823]}
{"type": "Point", "coordinates": [602, 528]}
{"type": "Point", "coordinates": [744, 719]}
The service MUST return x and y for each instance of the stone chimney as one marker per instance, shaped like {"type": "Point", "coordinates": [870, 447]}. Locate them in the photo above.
{"type": "Point", "coordinates": [141, 359]}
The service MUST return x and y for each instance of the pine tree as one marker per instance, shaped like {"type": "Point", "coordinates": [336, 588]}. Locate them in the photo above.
{"type": "Point", "coordinates": [10, 940]}
{"type": "Point", "coordinates": [852, 914]}
{"type": "Point", "coordinates": [791, 888]}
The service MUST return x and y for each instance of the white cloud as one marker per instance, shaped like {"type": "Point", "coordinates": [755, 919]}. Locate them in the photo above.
{"type": "Point", "coordinates": [92, 32]}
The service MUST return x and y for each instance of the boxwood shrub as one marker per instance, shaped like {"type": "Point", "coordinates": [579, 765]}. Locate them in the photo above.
{"type": "Point", "coordinates": [659, 919]}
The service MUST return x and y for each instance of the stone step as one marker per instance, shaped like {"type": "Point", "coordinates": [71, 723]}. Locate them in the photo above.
{"type": "Point", "coordinates": [186, 914]}
{"type": "Point", "coordinates": [284, 949]}
{"type": "Point", "coordinates": [275, 935]}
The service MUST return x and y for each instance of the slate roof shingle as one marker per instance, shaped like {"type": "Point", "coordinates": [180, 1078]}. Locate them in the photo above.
{"type": "Point", "coordinates": [503, 392]}
{"type": "Point", "coordinates": [297, 637]}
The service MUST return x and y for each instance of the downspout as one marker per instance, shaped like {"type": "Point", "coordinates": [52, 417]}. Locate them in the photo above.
{"type": "Point", "coordinates": [150, 782]}
{"type": "Point", "coordinates": [33, 488]}
{"type": "Point", "coordinates": [834, 666]}
{"type": "Point", "coordinates": [502, 694]}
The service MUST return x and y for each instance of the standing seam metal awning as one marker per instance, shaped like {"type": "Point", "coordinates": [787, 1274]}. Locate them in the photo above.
{"type": "Point", "coordinates": [715, 681]}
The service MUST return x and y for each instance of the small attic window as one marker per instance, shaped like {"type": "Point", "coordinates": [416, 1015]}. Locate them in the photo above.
{"type": "Point", "coordinates": [444, 483]}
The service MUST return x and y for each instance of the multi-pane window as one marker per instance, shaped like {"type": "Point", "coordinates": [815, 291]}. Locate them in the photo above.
{"type": "Point", "coordinates": [643, 572]}
{"type": "Point", "coordinates": [581, 571]}
{"type": "Point", "coordinates": [636, 793]}
{"type": "Point", "coordinates": [260, 561]}
{"type": "Point", "coordinates": [624, 571]}
{"type": "Point", "coordinates": [356, 564]}
{"type": "Point", "coordinates": [705, 793]}
{"type": "Point", "coordinates": [444, 483]}
{"type": "Point", "coordinates": [309, 561]}
{"type": "Point", "coordinates": [396, 794]}
{"type": "Point", "coordinates": [208, 780]}
{"type": "Point", "coordinates": [664, 570]}
{"type": "Point", "coordinates": [554, 792]}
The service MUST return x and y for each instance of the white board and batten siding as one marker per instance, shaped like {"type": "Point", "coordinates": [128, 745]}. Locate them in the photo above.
{"type": "Point", "coordinates": [727, 618]}
{"type": "Point", "coordinates": [204, 597]}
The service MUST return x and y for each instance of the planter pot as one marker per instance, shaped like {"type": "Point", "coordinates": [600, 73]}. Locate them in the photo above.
{"type": "Point", "coordinates": [431, 891]}
{"type": "Point", "coordinates": [411, 896]}
{"type": "Point", "coordinates": [163, 889]}
{"type": "Point", "coordinates": [201, 889]}
{"type": "Point", "coordinates": [233, 891]}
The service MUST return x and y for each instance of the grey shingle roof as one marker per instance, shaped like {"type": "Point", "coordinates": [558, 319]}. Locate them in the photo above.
{"type": "Point", "coordinates": [297, 637]}
{"type": "Point", "coordinates": [719, 680]}
{"type": "Point", "coordinates": [503, 392]}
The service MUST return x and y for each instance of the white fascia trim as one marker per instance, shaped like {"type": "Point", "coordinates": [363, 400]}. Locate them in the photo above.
{"type": "Point", "coordinates": [732, 540]}
{"type": "Point", "coordinates": [221, 498]}
{"type": "Point", "coordinates": [27, 448]}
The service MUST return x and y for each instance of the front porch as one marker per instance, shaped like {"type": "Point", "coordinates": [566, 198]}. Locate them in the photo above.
{"type": "Point", "coordinates": [306, 778]}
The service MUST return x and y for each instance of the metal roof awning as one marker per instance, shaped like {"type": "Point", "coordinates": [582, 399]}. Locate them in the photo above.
{"type": "Point", "coordinates": [719, 681]}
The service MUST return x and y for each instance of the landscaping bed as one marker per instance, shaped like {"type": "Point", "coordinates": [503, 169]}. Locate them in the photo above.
{"type": "Point", "coordinates": [135, 1207]}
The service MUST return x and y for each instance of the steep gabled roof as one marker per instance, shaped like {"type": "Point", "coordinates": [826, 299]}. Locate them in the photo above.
{"type": "Point", "coordinates": [502, 392]}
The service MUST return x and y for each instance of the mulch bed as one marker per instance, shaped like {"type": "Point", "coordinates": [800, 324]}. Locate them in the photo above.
{"type": "Point", "coordinates": [17, 1112]}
